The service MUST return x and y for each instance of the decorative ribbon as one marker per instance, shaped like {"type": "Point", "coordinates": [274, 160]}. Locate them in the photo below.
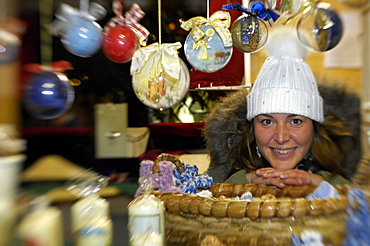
{"type": "Point", "coordinates": [258, 10]}
{"type": "Point", "coordinates": [220, 21]}
{"type": "Point", "coordinates": [163, 56]}
{"type": "Point", "coordinates": [66, 13]}
{"type": "Point", "coordinates": [189, 181]}
{"type": "Point", "coordinates": [56, 67]}
{"type": "Point", "coordinates": [131, 19]}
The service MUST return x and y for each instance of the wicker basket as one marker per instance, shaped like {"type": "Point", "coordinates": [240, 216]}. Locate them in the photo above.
{"type": "Point", "coordinates": [194, 220]}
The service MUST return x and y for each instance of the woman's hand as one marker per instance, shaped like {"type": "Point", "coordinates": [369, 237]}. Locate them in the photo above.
{"type": "Point", "coordinates": [282, 177]}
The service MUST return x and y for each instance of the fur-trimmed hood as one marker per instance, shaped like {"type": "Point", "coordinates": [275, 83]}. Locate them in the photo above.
{"type": "Point", "coordinates": [229, 116]}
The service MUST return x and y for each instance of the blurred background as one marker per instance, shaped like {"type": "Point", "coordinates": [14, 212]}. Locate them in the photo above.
{"type": "Point", "coordinates": [98, 80]}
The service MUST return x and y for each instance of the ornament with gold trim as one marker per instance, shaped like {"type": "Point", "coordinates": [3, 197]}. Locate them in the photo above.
{"type": "Point", "coordinates": [160, 79]}
{"type": "Point", "coordinates": [249, 33]}
{"type": "Point", "coordinates": [319, 28]}
{"type": "Point", "coordinates": [208, 46]}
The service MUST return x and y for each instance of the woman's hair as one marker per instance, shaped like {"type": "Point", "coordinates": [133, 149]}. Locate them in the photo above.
{"type": "Point", "coordinates": [328, 147]}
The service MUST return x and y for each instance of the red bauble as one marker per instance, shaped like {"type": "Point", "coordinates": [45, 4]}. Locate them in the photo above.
{"type": "Point", "coordinates": [120, 43]}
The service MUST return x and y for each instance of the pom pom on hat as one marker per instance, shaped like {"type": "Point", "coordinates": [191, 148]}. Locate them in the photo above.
{"type": "Point", "coordinates": [285, 83]}
{"type": "Point", "coordinates": [283, 41]}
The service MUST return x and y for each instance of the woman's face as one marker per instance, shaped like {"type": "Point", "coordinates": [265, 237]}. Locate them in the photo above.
{"type": "Point", "coordinates": [283, 139]}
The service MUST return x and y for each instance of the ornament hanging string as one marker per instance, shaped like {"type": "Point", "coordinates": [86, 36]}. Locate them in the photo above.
{"type": "Point", "coordinates": [84, 7]}
{"type": "Point", "coordinates": [208, 9]}
{"type": "Point", "coordinates": [208, 6]}
{"type": "Point", "coordinates": [159, 66]}
{"type": "Point", "coordinates": [159, 23]}
{"type": "Point", "coordinates": [131, 19]}
{"type": "Point", "coordinates": [46, 42]}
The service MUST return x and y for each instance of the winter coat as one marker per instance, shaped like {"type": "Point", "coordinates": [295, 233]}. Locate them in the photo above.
{"type": "Point", "coordinates": [229, 116]}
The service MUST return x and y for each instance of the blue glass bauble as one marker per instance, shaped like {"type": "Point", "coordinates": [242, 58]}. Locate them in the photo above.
{"type": "Point", "coordinates": [82, 37]}
{"type": "Point", "coordinates": [48, 95]}
{"type": "Point", "coordinates": [320, 29]}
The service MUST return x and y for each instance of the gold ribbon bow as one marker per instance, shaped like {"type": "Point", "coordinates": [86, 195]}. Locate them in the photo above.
{"type": "Point", "coordinates": [220, 21]}
{"type": "Point", "coordinates": [162, 56]}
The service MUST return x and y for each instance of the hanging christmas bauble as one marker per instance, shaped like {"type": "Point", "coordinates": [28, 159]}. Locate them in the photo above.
{"type": "Point", "coordinates": [249, 34]}
{"type": "Point", "coordinates": [48, 95]}
{"type": "Point", "coordinates": [320, 29]}
{"type": "Point", "coordinates": [285, 8]}
{"type": "Point", "coordinates": [120, 43]}
{"type": "Point", "coordinates": [82, 37]}
{"type": "Point", "coordinates": [156, 89]}
{"type": "Point", "coordinates": [209, 53]}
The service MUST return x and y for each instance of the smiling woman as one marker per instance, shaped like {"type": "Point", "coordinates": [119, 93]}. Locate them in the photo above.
{"type": "Point", "coordinates": [285, 138]}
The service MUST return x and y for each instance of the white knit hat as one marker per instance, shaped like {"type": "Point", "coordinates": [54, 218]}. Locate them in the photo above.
{"type": "Point", "coordinates": [285, 83]}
